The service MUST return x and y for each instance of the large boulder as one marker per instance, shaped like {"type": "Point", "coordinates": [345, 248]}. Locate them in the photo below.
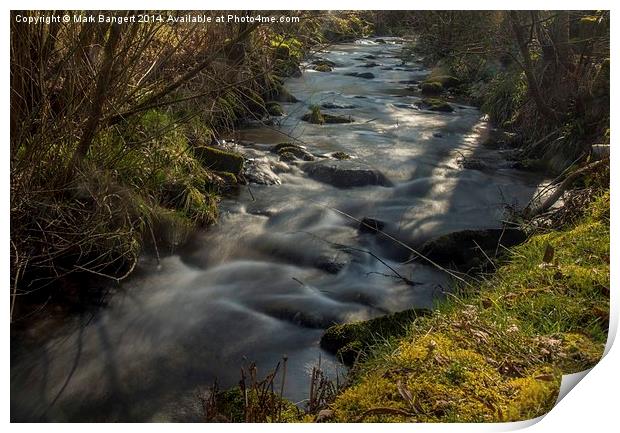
{"type": "Point", "coordinates": [462, 250]}
{"type": "Point", "coordinates": [432, 88]}
{"type": "Point", "coordinates": [435, 104]}
{"type": "Point", "coordinates": [345, 173]}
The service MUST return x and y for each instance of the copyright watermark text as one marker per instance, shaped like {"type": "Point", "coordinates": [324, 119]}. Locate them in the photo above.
{"type": "Point", "coordinates": [154, 17]}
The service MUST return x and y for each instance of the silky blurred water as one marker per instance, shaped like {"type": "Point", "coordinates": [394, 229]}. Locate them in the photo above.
{"type": "Point", "coordinates": [254, 287]}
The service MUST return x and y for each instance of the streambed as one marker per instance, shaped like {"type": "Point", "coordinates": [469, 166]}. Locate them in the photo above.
{"type": "Point", "coordinates": [284, 261]}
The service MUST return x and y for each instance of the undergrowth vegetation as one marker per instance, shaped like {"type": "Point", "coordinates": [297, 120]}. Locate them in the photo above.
{"type": "Point", "coordinates": [543, 75]}
{"type": "Point", "coordinates": [112, 127]}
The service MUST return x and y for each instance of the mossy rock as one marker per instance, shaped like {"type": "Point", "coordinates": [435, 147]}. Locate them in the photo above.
{"type": "Point", "coordinates": [435, 104]}
{"type": "Point", "coordinates": [219, 160]}
{"type": "Point", "coordinates": [330, 118]}
{"type": "Point", "coordinates": [228, 178]}
{"type": "Point", "coordinates": [320, 118]}
{"type": "Point", "coordinates": [287, 156]}
{"type": "Point", "coordinates": [320, 62]}
{"type": "Point", "coordinates": [274, 109]}
{"type": "Point", "coordinates": [348, 340]}
{"type": "Point", "coordinates": [286, 150]}
{"type": "Point", "coordinates": [340, 155]}
{"type": "Point", "coordinates": [323, 68]}
{"type": "Point", "coordinates": [431, 88]}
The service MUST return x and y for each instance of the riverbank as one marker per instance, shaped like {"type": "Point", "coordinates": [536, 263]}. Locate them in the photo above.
{"type": "Point", "coordinates": [141, 167]}
{"type": "Point", "coordinates": [496, 351]}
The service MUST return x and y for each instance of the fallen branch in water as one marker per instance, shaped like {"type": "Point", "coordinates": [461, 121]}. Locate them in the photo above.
{"type": "Point", "coordinates": [530, 212]}
{"type": "Point", "coordinates": [404, 245]}
{"type": "Point", "coordinates": [361, 250]}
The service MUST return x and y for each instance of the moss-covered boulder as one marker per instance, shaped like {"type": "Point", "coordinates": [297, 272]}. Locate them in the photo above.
{"type": "Point", "coordinates": [317, 117]}
{"type": "Point", "coordinates": [431, 88]}
{"type": "Point", "coordinates": [347, 341]}
{"type": "Point", "coordinates": [340, 155]}
{"type": "Point", "coordinates": [274, 109]}
{"type": "Point", "coordinates": [219, 159]}
{"type": "Point", "coordinates": [289, 152]}
{"type": "Point", "coordinates": [323, 68]}
{"type": "Point", "coordinates": [321, 62]}
{"type": "Point", "coordinates": [227, 178]}
{"type": "Point", "coordinates": [447, 81]}
{"type": "Point", "coordinates": [435, 104]}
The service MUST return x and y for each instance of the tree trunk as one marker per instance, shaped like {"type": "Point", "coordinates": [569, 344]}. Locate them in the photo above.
{"type": "Point", "coordinates": [528, 68]}
{"type": "Point", "coordinates": [98, 100]}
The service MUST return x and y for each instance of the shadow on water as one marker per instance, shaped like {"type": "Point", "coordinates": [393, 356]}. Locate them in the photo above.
{"type": "Point", "coordinates": [273, 274]}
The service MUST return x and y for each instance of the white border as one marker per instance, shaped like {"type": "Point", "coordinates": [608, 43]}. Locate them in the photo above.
{"type": "Point", "coordinates": [592, 406]}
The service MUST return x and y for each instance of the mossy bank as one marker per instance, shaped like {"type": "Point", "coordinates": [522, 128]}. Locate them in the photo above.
{"type": "Point", "coordinates": [496, 352]}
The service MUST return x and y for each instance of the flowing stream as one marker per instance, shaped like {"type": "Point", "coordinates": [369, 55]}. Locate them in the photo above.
{"type": "Point", "coordinates": [281, 264]}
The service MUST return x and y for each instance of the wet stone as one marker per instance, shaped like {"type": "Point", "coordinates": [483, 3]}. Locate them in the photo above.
{"type": "Point", "coordinates": [346, 174]}
{"type": "Point", "coordinates": [371, 225]}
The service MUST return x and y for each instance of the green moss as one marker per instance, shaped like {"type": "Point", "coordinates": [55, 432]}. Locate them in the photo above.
{"type": "Point", "coordinates": [431, 88]}
{"type": "Point", "coordinates": [323, 68]}
{"type": "Point", "coordinates": [219, 160]}
{"type": "Point", "coordinates": [315, 116]}
{"type": "Point", "coordinates": [348, 340]}
{"type": "Point", "coordinates": [495, 352]}
{"type": "Point", "coordinates": [340, 155]}
{"type": "Point", "coordinates": [274, 109]}
{"type": "Point", "coordinates": [285, 150]}
{"type": "Point", "coordinates": [435, 104]}
{"type": "Point", "coordinates": [227, 177]}
{"type": "Point", "coordinates": [446, 81]}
